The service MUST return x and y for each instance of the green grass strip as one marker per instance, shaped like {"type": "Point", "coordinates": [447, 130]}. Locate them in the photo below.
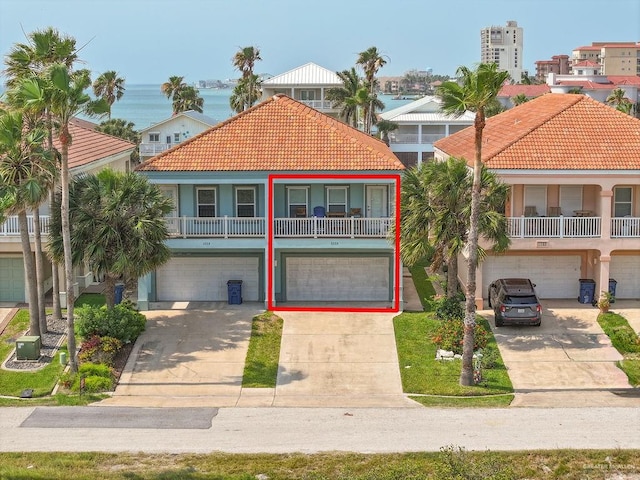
{"type": "Point", "coordinates": [261, 365]}
{"type": "Point", "coordinates": [423, 286]}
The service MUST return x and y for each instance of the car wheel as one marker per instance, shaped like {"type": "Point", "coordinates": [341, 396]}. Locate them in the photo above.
{"type": "Point", "coordinates": [537, 324]}
{"type": "Point", "coordinates": [499, 322]}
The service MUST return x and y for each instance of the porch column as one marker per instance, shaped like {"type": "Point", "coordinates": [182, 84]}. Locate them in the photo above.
{"type": "Point", "coordinates": [606, 197]}
{"type": "Point", "coordinates": [268, 233]}
{"type": "Point", "coordinates": [479, 288]}
{"type": "Point", "coordinates": [603, 281]}
{"type": "Point", "coordinates": [144, 290]}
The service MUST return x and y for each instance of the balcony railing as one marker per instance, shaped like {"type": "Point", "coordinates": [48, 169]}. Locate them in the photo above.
{"type": "Point", "coordinates": [315, 227]}
{"type": "Point", "coordinates": [222, 227]}
{"type": "Point", "coordinates": [151, 149]}
{"type": "Point", "coordinates": [625, 227]}
{"type": "Point", "coordinates": [318, 104]}
{"type": "Point", "coordinates": [553, 227]}
{"type": "Point", "coordinates": [408, 138]}
{"type": "Point", "coordinates": [10, 227]}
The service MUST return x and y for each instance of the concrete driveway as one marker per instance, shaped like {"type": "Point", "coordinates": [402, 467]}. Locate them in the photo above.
{"type": "Point", "coordinates": [566, 362]}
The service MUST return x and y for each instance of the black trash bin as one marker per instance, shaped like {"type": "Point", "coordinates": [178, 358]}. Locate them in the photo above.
{"type": "Point", "coordinates": [587, 290]}
{"type": "Point", "coordinates": [119, 291]}
{"type": "Point", "coordinates": [234, 292]}
{"type": "Point", "coordinates": [612, 289]}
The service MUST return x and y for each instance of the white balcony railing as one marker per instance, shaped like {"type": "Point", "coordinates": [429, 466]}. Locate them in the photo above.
{"type": "Point", "coordinates": [318, 104]}
{"type": "Point", "coordinates": [151, 149]}
{"type": "Point", "coordinates": [349, 227]}
{"type": "Point", "coordinates": [223, 227]}
{"type": "Point", "coordinates": [409, 138]}
{"type": "Point", "coordinates": [553, 227]}
{"type": "Point", "coordinates": [625, 227]}
{"type": "Point", "coordinates": [10, 227]}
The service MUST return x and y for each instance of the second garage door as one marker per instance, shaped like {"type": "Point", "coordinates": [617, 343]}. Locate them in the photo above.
{"type": "Point", "coordinates": [205, 278]}
{"type": "Point", "coordinates": [554, 276]}
{"type": "Point", "coordinates": [337, 279]}
{"type": "Point", "coordinates": [12, 288]}
{"type": "Point", "coordinates": [624, 269]}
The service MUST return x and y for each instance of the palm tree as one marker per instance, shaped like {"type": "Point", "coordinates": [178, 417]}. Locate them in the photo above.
{"type": "Point", "coordinates": [245, 59]}
{"type": "Point", "coordinates": [43, 49]}
{"type": "Point", "coordinates": [64, 91]}
{"type": "Point", "coordinates": [476, 90]}
{"type": "Point", "coordinates": [117, 127]}
{"type": "Point", "coordinates": [187, 98]}
{"type": "Point", "coordinates": [173, 85]}
{"type": "Point", "coordinates": [435, 212]}
{"type": "Point", "coordinates": [245, 94]}
{"type": "Point", "coordinates": [110, 87]}
{"type": "Point", "coordinates": [118, 226]}
{"type": "Point", "coordinates": [384, 127]}
{"type": "Point", "coordinates": [26, 173]}
{"type": "Point", "coordinates": [519, 99]}
{"type": "Point", "coordinates": [340, 96]}
{"type": "Point", "coordinates": [371, 61]}
{"type": "Point", "coordinates": [617, 99]}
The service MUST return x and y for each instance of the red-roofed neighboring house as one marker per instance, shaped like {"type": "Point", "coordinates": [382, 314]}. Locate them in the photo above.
{"type": "Point", "coordinates": [89, 152]}
{"type": "Point", "coordinates": [508, 91]}
{"type": "Point", "coordinates": [292, 202]}
{"type": "Point", "coordinates": [573, 165]}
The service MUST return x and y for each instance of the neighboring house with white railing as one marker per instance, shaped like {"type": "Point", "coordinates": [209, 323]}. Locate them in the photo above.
{"type": "Point", "coordinates": [420, 124]}
{"type": "Point", "coordinates": [172, 131]}
{"type": "Point", "coordinates": [90, 152]}
{"type": "Point", "coordinates": [573, 165]}
{"type": "Point", "coordinates": [294, 203]}
{"type": "Point", "coordinates": [308, 84]}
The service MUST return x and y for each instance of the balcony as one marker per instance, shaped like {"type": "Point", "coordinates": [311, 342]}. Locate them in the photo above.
{"type": "Point", "coordinates": [10, 227]}
{"type": "Point", "coordinates": [554, 227]}
{"type": "Point", "coordinates": [320, 105]}
{"type": "Point", "coordinates": [345, 227]}
{"type": "Point", "coordinates": [414, 138]}
{"type": "Point", "coordinates": [625, 227]}
{"type": "Point", "coordinates": [216, 227]}
{"type": "Point", "coordinates": [151, 149]}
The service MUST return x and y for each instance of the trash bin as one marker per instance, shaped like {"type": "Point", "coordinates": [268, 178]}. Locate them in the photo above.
{"type": "Point", "coordinates": [234, 292]}
{"type": "Point", "coordinates": [612, 289]}
{"type": "Point", "coordinates": [587, 290]}
{"type": "Point", "coordinates": [119, 291]}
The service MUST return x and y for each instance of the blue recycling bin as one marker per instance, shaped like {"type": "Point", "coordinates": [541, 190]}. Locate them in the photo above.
{"type": "Point", "coordinates": [119, 292]}
{"type": "Point", "coordinates": [612, 288]}
{"type": "Point", "coordinates": [234, 292]}
{"type": "Point", "coordinates": [587, 290]}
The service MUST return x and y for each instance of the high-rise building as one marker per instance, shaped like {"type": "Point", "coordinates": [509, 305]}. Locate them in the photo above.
{"type": "Point", "coordinates": [504, 46]}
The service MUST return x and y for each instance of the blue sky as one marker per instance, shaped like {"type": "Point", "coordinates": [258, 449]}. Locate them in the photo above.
{"type": "Point", "coordinates": [146, 41]}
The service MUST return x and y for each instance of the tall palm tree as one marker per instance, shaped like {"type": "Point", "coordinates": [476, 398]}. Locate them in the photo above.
{"type": "Point", "coordinates": [371, 60]}
{"type": "Point", "coordinates": [173, 87]}
{"type": "Point", "coordinates": [245, 94]}
{"type": "Point", "coordinates": [64, 90]}
{"type": "Point", "coordinates": [245, 59]}
{"type": "Point", "coordinates": [384, 128]}
{"type": "Point", "coordinates": [435, 212]}
{"type": "Point", "coordinates": [26, 172]}
{"type": "Point", "coordinates": [339, 96]}
{"type": "Point", "coordinates": [617, 99]}
{"type": "Point", "coordinates": [118, 226]}
{"type": "Point", "coordinates": [110, 87]}
{"type": "Point", "coordinates": [187, 98]}
{"type": "Point", "coordinates": [476, 90]}
{"type": "Point", "coordinates": [43, 49]}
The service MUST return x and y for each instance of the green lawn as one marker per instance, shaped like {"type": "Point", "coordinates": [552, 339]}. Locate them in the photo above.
{"type": "Point", "coordinates": [261, 365]}
{"type": "Point", "coordinates": [423, 285]}
{"type": "Point", "coordinates": [626, 341]}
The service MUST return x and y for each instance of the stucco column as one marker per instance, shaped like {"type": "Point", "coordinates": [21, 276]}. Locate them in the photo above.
{"type": "Point", "coordinates": [603, 281]}
{"type": "Point", "coordinates": [268, 232]}
{"type": "Point", "coordinates": [144, 289]}
{"type": "Point", "coordinates": [479, 289]}
{"type": "Point", "coordinates": [606, 197]}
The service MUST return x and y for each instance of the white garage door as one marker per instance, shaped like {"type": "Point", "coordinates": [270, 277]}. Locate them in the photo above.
{"type": "Point", "coordinates": [624, 269]}
{"type": "Point", "coordinates": [205, 278]}
{"type": "Point", "coordinates": [12, 288]}
{"type": "Point", "coordinates": [554, 276]}
{"type": "Point", "coordinates": [337, 279]}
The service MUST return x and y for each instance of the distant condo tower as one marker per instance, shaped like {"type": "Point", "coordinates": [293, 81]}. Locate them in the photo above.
{"type": "Point", "coordinates": [503, 45]}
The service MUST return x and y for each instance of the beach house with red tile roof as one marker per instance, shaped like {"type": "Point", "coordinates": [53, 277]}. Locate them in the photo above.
{"type": "Point", "coordinates": [90, 151]}
{"type": "Point", "coordinates": [508, 91]}
{"type": "Point", "coordinates": [573, 165]}
{"type": "Point", "coordinates": [295, 204]}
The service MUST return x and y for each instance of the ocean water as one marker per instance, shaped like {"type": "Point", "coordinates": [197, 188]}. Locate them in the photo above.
{"type": "Point", "coordinates": [145, 105]}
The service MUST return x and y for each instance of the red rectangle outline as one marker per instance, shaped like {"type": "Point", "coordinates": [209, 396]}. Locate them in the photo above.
{"type": "Point", "coordinates": [270, 259]}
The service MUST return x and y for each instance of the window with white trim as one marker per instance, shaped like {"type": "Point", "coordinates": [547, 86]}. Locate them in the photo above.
{"type": "Point", "coordinates": [337, 200]}
{"type": "Point", "coordinates": [622, 201]}
{"type": "Point", "coordinates": [154, 137]}
{"type": "Point", "coordinates": [307, 95]}
{"type": "Point", "coordinates": [535, 200]}
{"type": "Point", "coordinates": [297, 201]}
{"type": "Point", "coordinates": [206, 202]}
{"type": "Point", "coordinates": [176, 138]}
{"type": "Point", "coordinates": [245, 202]}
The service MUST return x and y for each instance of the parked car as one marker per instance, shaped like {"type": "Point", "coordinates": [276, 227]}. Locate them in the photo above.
{"type": "Point", "coordinates": [514, 302]}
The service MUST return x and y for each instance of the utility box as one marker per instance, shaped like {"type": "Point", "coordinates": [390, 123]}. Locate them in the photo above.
{"type": "Point", "coordinates": [28, 347]}
{"type": "Point", "coordinates": [234, 291]}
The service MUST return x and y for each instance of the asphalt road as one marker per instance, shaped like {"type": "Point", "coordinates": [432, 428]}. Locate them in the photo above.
{"type": "Point", "coordinates": [310, 430]}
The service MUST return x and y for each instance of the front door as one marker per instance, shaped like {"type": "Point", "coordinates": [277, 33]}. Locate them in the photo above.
{"type": "Point", "coordinates": [171, 191]}
{"type": "Point", "coordinates": [377, 201]}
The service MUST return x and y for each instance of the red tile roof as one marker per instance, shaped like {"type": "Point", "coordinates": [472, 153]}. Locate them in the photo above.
{"type": "Point", "coordinates": [88, 146]}
{"type": "Point", "coordinates": [529, 90]}
{"type": "Point", "coordinates": [279, 134]}
{"type": "Point", "coordinates": [554, 132]}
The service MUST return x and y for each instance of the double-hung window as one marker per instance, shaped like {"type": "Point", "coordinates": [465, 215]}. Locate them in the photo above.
{"type": "Point", "coordinates": [622, 201]}
{"type": "Point", "coordinates": [206, 200]}
{"type": "Point", "coordinates": [297, 199]}
{"type": "Point", "coordinates": [245, 202]}
{"type": "Point", "coordinates": [154, 137]}
{"type": "Point", "coordinates": [337, 200]}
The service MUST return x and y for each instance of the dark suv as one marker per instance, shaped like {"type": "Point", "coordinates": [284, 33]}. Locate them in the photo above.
{"type": "Point", "coordinates": [514, 301]}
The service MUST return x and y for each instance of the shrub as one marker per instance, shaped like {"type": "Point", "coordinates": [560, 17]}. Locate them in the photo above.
{"type": "Point", "coordinates": [449, 336]}
{"type": "Point", "coordinates": [99, 349]}
{"type": "Point", "coordinates": [97, 378]}
{"type": "Point", "coordinates": [490, 358]}
{"type": "Point", "coordinates": [95, 370]}
{"type": "Point", "coordinates": [445, 308]}
{"type": "Point", "coordinates": [624, 339]}
{"type": "Point", "coordinates": [97, 384]}
{"type": "Point", "coordinates": [121, 322]}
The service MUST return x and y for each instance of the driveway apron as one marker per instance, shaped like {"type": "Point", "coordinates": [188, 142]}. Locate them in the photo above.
{"type": "Point", "coordinates": [339, 359]}
{"type": "Point", "coordinates": [566, 362]}
{"type": "Point", "coordinates": [187, 358]}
